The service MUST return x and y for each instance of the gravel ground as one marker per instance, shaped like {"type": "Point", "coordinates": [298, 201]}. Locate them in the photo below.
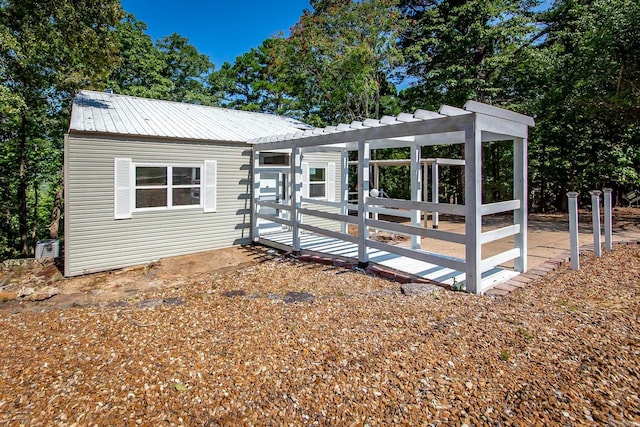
{"type": "Point", "coordinates": [565, 350]}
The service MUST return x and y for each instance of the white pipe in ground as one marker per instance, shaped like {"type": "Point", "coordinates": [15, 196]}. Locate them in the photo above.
{"type": "Point", "coordinates": [573, 230]}
{"type": "Point", "coordinates": [595, 214]}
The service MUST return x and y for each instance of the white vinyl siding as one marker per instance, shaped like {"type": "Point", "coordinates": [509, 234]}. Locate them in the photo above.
{"type": "Point", "coordinates": [210, 183]}
{"type": "Point", "coordinates": [95, 241]}
{"type": "Point", "coordinates": [332, 187]}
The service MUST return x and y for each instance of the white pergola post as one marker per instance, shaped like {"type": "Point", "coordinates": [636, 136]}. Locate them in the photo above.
{"type": "Point", "coordinates": [344, 188]}
{"type": "Point", "coordinates": [296, 196]}
{"type": "Point", "coordinates": [255, 229]}
{"type": "Point", "coordinates": [435, 191]}
{"type": "Point", "coordinates": [573, 230]}
{"type": "Point", "coordinates": [376, 176]}
{"type": "Point", "coordinates": [595, 215]}
{"type": "Point", "coordinates": [425, 189]}
{"type": "Point", "coordinates": [416, 192]}
{"type": "Point", "coordinates": [608, 226]}
{"type": "Point", "coordinates": [473, 202]}
{"type": "Point", "coordinates": [364, 155]}
{"type": "Point", "coordinates": [520, 193]}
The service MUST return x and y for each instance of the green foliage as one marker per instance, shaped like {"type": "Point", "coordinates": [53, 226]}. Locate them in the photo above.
{"type": "Point", "coordinates": [587, 135]}
{"type": "Point", "coordinates": [459, 50]}
{"type": "Point", "coordinates": [185, 68]}
{"type": "Point", "coordinates": [47, 51]}
{"type": "Point", "coordinates": [139, 71]}
{"type": "Point", "coordinates": [341, 57]}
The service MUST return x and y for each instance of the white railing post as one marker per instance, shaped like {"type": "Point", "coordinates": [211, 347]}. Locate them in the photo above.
{"type": "Point", "coordinates": [473, 203]}
{"type": "Point", "coordinates": [425, 190]}
{"type": "Point", "coordinates": [520, 179]}
{"type": "Point", "coordinates": [415, 192]}
{"type": "Point", "coordinates": [255, 228]}
{"type": "Point", "coordinates": [573, 230]}
{"type": "Point", "coordinates": [344, 185]}
{"type": "Point", "coordinates": [595, 215]}
{"type": "Point", "coordinates": [608, 226]}
{"type": "Point", "coordinates": [364, 155]}
{"type": "Point", "coordinates": [296, 196]}
{"type": "Point", "coordinates": [435, 192]}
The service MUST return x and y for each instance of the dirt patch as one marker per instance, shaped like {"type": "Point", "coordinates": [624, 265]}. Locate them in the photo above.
{"type": "Point", "coordinates": [45, 279]}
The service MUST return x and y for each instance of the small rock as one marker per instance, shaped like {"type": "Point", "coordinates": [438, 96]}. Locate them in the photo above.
{"type": "Point", "coordinates": [25, 292]}
{"type": "Point", "coordinates": [149, 303]}
{"type": "Point", "coordinates": [118, 304]}
{"type": "Point", "coordinates": [173, 301]}
{"type": "Point", "coordinates": [381, 293]}
{"type": "Point", "coordinates": [469, 385]}
{"type": "Point", "coordinates": [44, 294]}
{"type": "Point", "coordinates": [234, 293]}
{"type": "Point", "coordinates": [291, 297]}
{"type": "Point", "coordinates": [420, 288]}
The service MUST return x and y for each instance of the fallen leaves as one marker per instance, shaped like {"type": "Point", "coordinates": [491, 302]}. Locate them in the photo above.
{"type": "Point", "coordinates": [563, 350]}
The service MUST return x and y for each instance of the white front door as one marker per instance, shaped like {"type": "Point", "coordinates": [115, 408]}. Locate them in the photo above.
{"type": "Point", "coordinates": [273, 188]}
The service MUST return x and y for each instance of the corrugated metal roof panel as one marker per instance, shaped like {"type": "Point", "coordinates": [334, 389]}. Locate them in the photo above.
{"type": "Point", "coordinates": [120, 114]}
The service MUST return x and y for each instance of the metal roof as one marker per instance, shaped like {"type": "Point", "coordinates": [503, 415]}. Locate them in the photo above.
{"type": "Point", "coordinates": [129, 115]}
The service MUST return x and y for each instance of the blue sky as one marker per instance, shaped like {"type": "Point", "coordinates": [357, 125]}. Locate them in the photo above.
{"type": "Point", "coordinates": [221, 29]}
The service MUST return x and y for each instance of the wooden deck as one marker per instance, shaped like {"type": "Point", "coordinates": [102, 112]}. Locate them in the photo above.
{"type": "Point", "coordinates": [316, 243]}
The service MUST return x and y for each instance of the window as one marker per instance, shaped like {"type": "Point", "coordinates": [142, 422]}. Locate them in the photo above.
{"type": "Point", "coordinates": [274, 159]}
{"type": "Point", "coordinates": [167, 186]}
{"type": "Point", "coordinates": [317, 182]}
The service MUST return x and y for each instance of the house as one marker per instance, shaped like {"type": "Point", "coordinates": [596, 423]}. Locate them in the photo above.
{"type": "Point", "coordinates": [147, 179]}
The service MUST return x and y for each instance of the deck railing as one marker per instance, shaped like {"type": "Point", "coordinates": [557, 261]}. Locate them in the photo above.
{"type": "Point", "coordinates": [332, 213]}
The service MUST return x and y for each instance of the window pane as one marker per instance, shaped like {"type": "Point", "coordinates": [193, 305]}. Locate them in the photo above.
{"type": "Point", "coordinates": [186, 196]}
{"type": "Point", "coordinates": [151, 176]}
{"type": "Point", "coordinates": [151, 198]}
{"type": "Point", "coordinates": [316, 174]}
{"type": "Point", "coordinates": [316, 190]}
{"type": "Point", "coordinates": [186, 176]}
{"type": "Point", "coordinates": [274, 159]}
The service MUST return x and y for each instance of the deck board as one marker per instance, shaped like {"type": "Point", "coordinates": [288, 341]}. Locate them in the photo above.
{"type": "Point", "coordinates": [336, 247]}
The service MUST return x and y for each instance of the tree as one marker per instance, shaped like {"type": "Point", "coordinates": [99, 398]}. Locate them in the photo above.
{"type": "Point", "coordinates": [140, 68]}
{"type": "Point", "coordinates": [257, 80]}
{"type": "Point", "coordinates": [458, 50]}
{"type": "Point", "coordinates": [186, 68]}
{"type": "Point", "coordinates": [588, 109]}
{"type": "Point", "coordinates": [48, 50]}
{"type": "Point", "coordinates": [341, 57]}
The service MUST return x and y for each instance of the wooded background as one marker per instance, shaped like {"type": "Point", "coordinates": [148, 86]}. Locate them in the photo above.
{"type": "Point", "coordinates": [573, 65]}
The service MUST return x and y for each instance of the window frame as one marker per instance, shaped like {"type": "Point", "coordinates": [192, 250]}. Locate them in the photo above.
{"type": "Point", "coordinates": [317, 183]}
{"type": "Point", "coordinates": [169, 187]}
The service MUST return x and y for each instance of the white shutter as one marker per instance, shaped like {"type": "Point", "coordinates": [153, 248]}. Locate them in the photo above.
{"type": "Point", "coordinates": [331, 182]}
{"type": "Point", "coordinates": [122, 188]}
{"type": "Point", "coordinates": [305, 179]}
{"type": "Point", "coordinates": [210, 185]}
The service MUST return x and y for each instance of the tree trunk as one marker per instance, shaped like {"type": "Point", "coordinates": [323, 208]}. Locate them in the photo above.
{"type": "Point", "coordinates": [56, 212]}
{"type": "Point", "coordinates": [34, 229]}
{"type": "Point", "coordinates": [22, 189]}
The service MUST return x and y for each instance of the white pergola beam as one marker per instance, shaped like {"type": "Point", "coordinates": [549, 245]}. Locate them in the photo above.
{"type": "Point", "coordinates": [479, 107]}
{"type": "Point", "coordinates": [422, 127]}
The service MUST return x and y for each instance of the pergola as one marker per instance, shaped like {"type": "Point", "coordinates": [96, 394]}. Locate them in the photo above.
{"type": "Point", "coordinates": [473, 125]}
